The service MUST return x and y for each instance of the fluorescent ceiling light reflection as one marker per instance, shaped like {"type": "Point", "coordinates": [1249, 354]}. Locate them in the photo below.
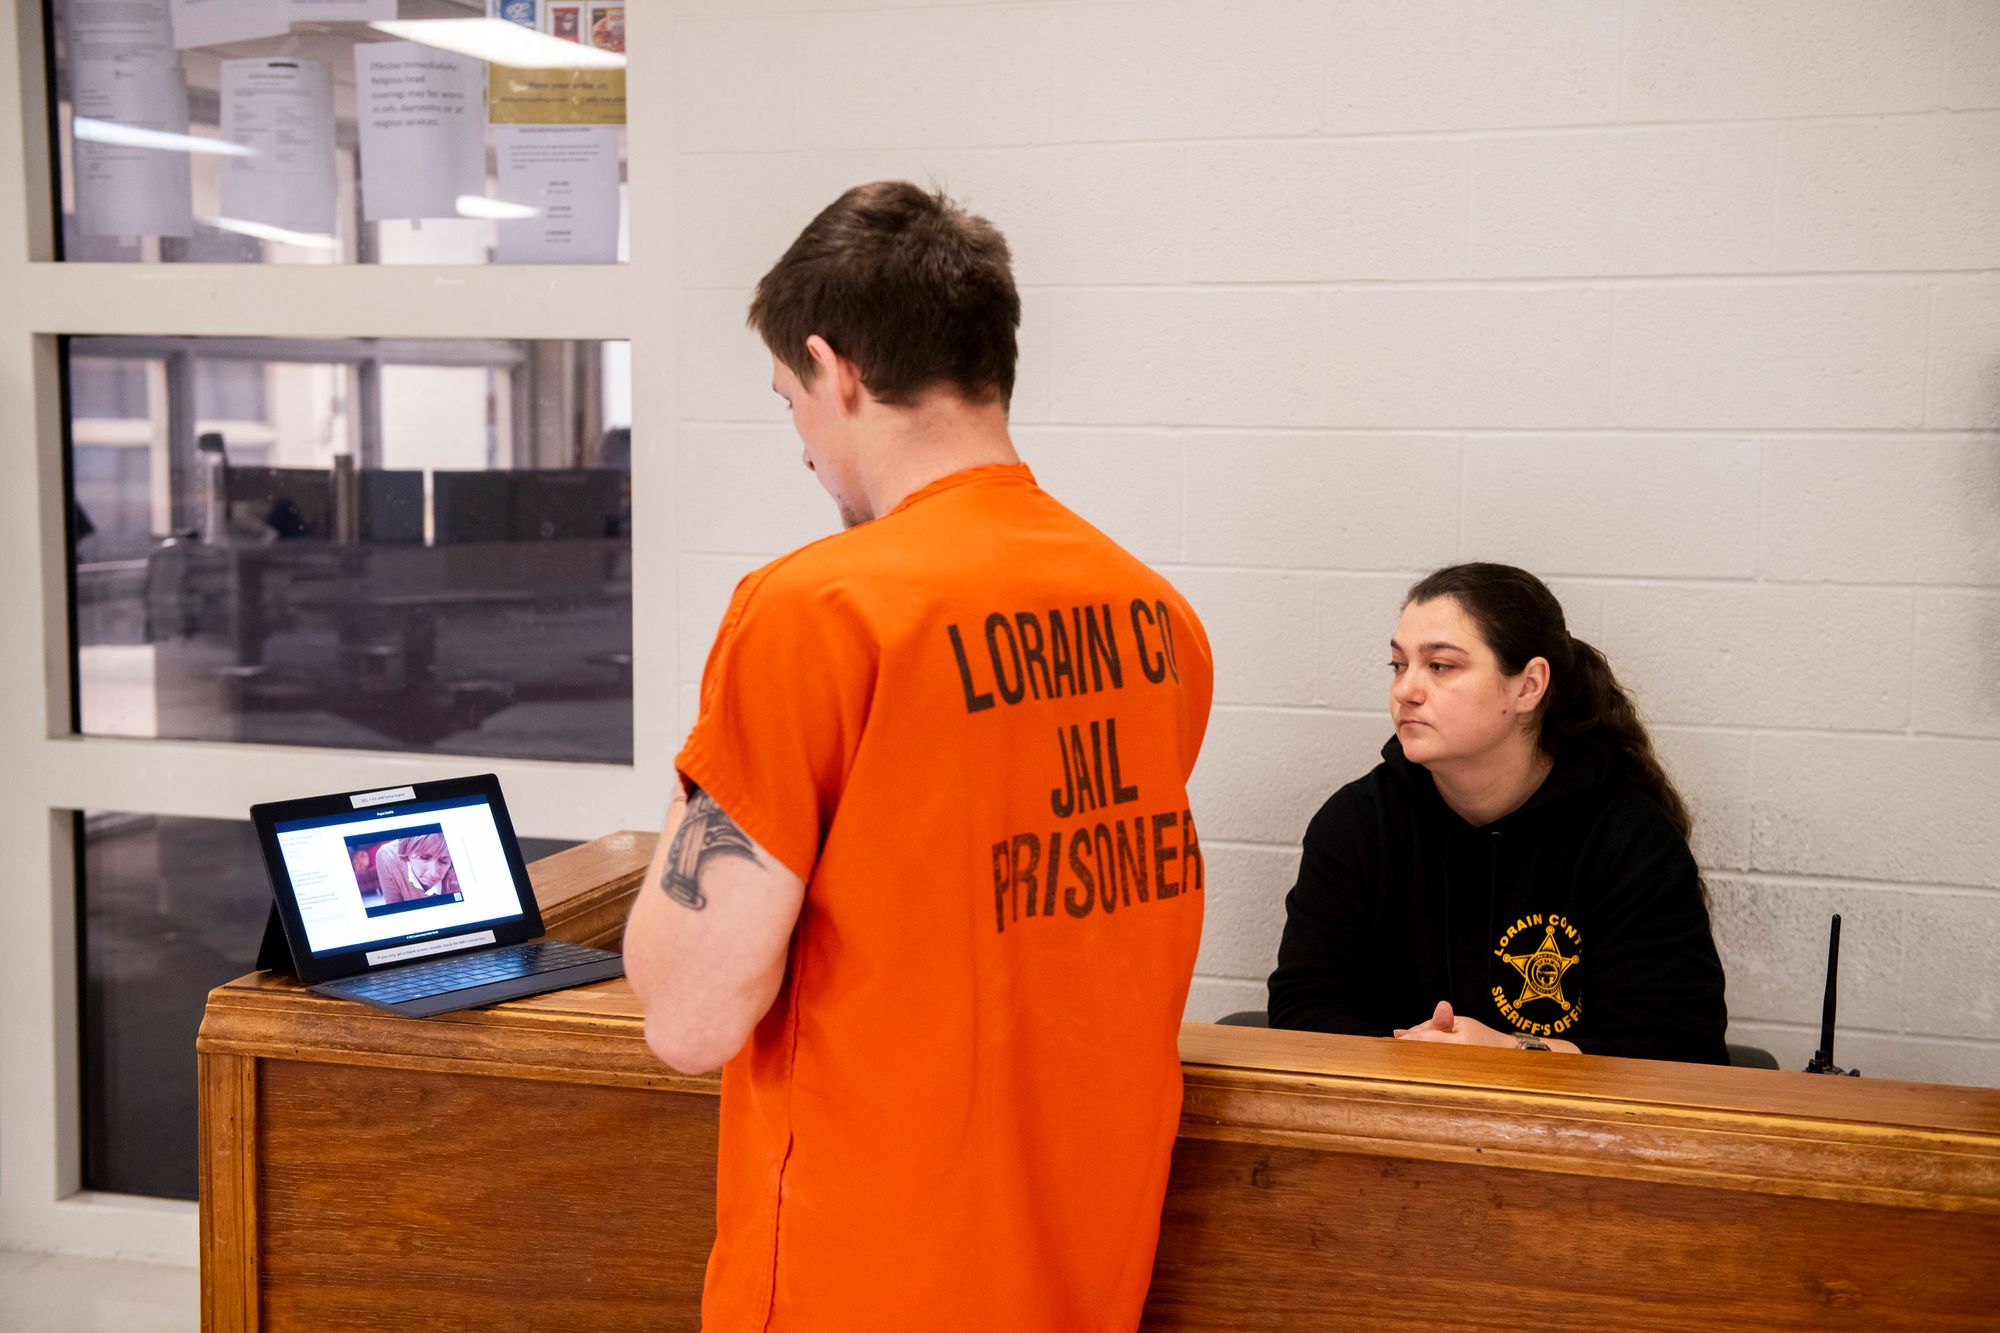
{"type": "Point", "coordinates": [311, 240]}
{"type": "Point", "coordinates": [501, 42]}
{"type": "Point", "coordinates": [131, 136]}
{"type": "Point", "coordinates": [479, 206]}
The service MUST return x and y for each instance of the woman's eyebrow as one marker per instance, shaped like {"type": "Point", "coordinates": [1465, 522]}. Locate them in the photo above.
{"type": "Point", "coordinates": [1441, 646]}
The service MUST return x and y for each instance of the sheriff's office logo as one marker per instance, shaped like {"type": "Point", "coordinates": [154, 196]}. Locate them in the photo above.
{"type": "Point", "coordinates": [1542, 971]}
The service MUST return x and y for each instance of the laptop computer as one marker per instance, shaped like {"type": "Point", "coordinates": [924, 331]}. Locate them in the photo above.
{"type": "Point", "coordinates": [414, 899]}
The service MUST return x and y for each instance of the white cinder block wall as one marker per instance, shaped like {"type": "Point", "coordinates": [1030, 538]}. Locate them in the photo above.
{"type": "Point", "coordinates": [1692, 306]}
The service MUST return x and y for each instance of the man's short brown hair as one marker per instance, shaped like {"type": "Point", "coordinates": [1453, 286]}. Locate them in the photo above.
{"type": "Point", "coordinates": [911, 288]}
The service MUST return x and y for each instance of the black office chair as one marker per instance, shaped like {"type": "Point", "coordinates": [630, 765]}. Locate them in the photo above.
{"type": "Point", "coordinates": [1751, 1057]}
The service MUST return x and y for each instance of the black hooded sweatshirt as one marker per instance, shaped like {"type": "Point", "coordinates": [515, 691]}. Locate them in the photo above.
{"type": "Point", "coordinates": [1586, 887]}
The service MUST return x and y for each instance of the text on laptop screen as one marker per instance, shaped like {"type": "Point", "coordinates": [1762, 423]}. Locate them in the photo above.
{"type": "Point", "coordinates": [397, 872]}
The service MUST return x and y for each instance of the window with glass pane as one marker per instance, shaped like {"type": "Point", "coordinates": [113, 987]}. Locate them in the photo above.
{"type": "Point", "coordinates": [341, 131]}
{"type": "Point", "coordinates": [373, 544]}
{"type": "Point", "coordinates": [172, 908]}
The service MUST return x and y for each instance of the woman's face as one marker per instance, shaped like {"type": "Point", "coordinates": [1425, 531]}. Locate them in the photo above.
{"type": "Point", "coordinates": [1448, 696]}
{"type": "Point", "coordinates": [431, 870]}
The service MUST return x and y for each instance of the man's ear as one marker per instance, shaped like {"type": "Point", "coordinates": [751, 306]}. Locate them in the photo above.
{"type": "Point", "coordinates": [842, 375]}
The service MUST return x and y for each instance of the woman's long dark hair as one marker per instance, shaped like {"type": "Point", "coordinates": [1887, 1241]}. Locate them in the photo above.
{"type": "Point", "coordinates": [1520, 619]}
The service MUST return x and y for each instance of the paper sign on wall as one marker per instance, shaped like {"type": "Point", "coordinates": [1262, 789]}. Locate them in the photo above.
{"type": "Point", "coordinates": [123, 73]}
{"type": "Point", "coordinates": [283, 111]}
{"type": "Point", "coordinates": [423, 139]}
{"type": "Point", "coordinates": [555, 96]}
{"type": "Point", "coordinates": [560, 96]}
{"type": "Point", "coordinates": [119, 30]}
{"type": "Point", "coordinates": [604, 25]}
{"type": "Point", "coordinates": [570, 174]}
{"type": "Point", "coordinates": [132, 189]}
{"type": "Point", "coordinates": [564, 19]}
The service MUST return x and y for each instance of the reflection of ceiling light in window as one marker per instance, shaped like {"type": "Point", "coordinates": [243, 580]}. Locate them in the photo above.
{"type": "Point", "coordinates": [311, 240]}
{"type": "Point", "coordinates": [501, 42]}
{"type": "Point", "coordinates": [131, 136]}
{"type": "Point", "coordinates": [479, 206]}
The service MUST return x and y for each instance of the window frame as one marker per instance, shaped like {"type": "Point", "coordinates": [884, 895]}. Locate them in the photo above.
{"type": "Point", "coordinates": [52, 773]}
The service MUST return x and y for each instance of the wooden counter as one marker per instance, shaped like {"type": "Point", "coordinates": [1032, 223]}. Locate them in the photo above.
{"type": "Point", "coordinates": [533, 1166]}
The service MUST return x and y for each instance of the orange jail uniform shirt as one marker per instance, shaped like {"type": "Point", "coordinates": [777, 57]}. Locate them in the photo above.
{"type": "Point", "coordinates": [968, 727]}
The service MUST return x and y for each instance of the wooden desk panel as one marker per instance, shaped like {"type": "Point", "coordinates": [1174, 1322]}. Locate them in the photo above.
{"type": "Point", "coordinates": [1258, 1236]}
{"type": "Point", "coordinates": [531, 1165]}
{"type": "Point", "coordinates": [388, 1197]}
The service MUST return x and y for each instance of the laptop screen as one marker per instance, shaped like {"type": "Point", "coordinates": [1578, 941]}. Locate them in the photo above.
{"type": "Point", "coordinates": [413, 877]}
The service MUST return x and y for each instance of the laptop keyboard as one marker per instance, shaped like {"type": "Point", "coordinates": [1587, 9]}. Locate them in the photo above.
{"type": "Point", "coordinates": [415, 980]}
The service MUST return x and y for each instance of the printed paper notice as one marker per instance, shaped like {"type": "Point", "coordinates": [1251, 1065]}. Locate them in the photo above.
{"type": "Point", "coordinates": [282, 110]}
{"type": "Point", "coordinates": [570, 174]}
{"type": "Point", "coordinates": [423, 139]}
{"type": "Point", "coordinates": [213, 22]}
{"type": "Point", "coordinates": [555, 96]}
{"type": "Point", "coordinates": [606, 19]}
{"type": "Point", "coordinates": [124, 73]}
{"type": "Point", "coordinates": [118, 30]}
{"type": "Point", "coordinates": [564, 19]}
{"type": "Point", "coordinates": [132, 189]}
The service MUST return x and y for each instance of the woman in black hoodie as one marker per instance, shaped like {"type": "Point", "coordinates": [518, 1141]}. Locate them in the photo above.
{"type": "Point", "coordinates": [1519, 845]}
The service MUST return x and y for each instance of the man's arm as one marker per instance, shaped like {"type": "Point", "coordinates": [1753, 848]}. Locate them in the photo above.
{"type": "Point", "coordinates": [706, 943]}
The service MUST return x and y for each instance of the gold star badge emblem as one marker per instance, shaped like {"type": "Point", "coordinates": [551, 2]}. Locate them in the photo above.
{"type": "Point", "coordinates": [1542, 972]}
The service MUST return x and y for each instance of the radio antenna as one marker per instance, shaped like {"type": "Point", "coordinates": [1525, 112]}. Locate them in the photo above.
{"type": "Point", "coordinates": [1822, 1061]}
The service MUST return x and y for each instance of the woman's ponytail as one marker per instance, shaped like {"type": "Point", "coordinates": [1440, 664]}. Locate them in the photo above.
{"type": "Point", "coordinates": [1595, 706]}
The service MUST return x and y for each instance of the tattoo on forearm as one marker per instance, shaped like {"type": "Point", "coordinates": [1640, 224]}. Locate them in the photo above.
{"type": "Point", "coordinates": [706, 834]}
